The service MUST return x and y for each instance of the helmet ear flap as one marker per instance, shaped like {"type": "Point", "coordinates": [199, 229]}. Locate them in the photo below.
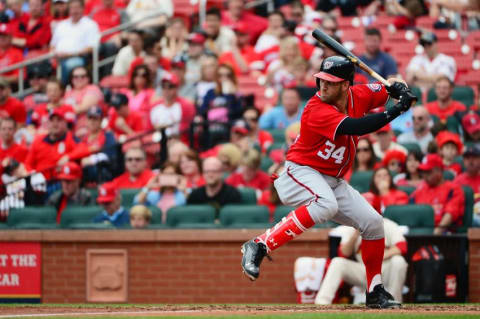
{"type": "Point", "coordinates": [317, 81]}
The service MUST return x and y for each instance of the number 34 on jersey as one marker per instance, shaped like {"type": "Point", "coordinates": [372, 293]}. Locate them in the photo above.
{"type": "Point", "coordinates": [330, 150]}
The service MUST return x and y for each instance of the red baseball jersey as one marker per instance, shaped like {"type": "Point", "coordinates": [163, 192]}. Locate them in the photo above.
{"type": "Point", "coordinates": [318, 145]}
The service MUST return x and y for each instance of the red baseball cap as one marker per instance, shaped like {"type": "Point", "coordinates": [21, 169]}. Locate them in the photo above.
{"type": "Point", "coordinates": [5, 29]}
{"type": "Point", "coordinates": [171, 78]}
{"type": "Point", "coordinates": [107, 193]}
{"type": "Point", "coordinates": [471, 123]}
{"type": "Point", "coordinates": [70, 171]}
{"type": "Point", "coordinates": [445, 137]}
{"type": "Point", "coordinates": [240, 27]}
{"type": "Point", "coordinates": [430, 161]}
{"type": "Point", "coordinates": [241, 127]}
{"type": "Point", "coordinates": [196, 37]}
{"type": "Point", "coordinates": [59, 111]}
{"type": "Point", "coordinates": [394, 154]}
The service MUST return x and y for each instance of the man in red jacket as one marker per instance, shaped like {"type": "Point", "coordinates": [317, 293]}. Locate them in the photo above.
{"type": "Point", "coordinates": [9, 55]}
{"type": "Point", "coordinates": [446, 197]}
{"type": "Point", "coordinates": [8, 147]}
{"type": "Point", "coordinates": [47, 149]}
{"type": "Point", "coordinates": [10, 106]}
{"type": "Point", "coordinates": [34, 31]}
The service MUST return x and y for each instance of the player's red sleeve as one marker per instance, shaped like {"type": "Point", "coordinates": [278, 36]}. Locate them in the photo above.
{"type": "Point", "coordinates": [373, 95]}
{"type": "Point", "coordinates": [324, 120]}
{"type": "Point", "coordinates": [455, 204]}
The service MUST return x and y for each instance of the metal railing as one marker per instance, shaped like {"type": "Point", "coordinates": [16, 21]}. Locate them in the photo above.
{"type": "Point", "coordinates": [96, 64]}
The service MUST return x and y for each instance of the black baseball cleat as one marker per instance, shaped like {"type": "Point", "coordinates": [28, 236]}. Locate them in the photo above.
{"type": "Point", "coordinates": [379, 298]}
{"type": "Point", "coordinates": [253, 254]}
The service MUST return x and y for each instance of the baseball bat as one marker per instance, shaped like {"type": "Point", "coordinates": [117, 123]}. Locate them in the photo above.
{"type": "Point", "coordinates": [331, 43]}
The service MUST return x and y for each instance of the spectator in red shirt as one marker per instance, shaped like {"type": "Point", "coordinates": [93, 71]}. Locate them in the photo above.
{"type": "Point", "coordinates": [137, 173]}
{"type": "Point", "coordinates": [121, 120]}
{"type": "Point", "coordinates": [33, 32]}
{"type": "Point", "coordinates": [9, 55]}
{"type": "Point", "coordinates": [107, 16]}
{"type": "Point", "coordinates": [191, 169]}
{"type": "Point", "coordinates": [171, 109]}
{"type": "Point", "coordinates": [53, 148]}
{"type": "Point", "coordinates": [42, 112]}
{"type": "Point", "coordinates": [383, 187]}
{"type": "Point", "coordinates": [242, 56]}
{"type": "Point", "coordinates": [15, 7]}
{"type": "Point", "coordinates": [450, 146]}
{"type": "Point", "coordinates": [444, 106]}
{"type": "Point", "coordinates": [10, 106]}
{"type": "Point", "coordinates": [263, 138]}
{"type": "Point", "coordinates": [471, 176]}
{"type": "Point", "coordinates": [249, 174]}
{"type": "Point", "coordinates": [9, 148]}
{"type": "Point", "coordinates": [446, 197]}
{"type": "Point", "coordinates": [237, 14]}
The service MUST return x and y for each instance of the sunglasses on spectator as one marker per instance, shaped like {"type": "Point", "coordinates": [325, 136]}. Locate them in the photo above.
{"type": "Point", "coordinates": [79, 76]}
{"type": "Point", "coordinates": [224, 74]}
{"type": "Point", "coordinates": [168, 86]}
{"type": "Point", "coordinates": [363, 149]}
{"type": "Point", "coordinates": [136, 159]}
{"type": "Point", "coordinates": [420, 118]}
{"type": "Point", "coordinates": [251, 119]}
{"type": "Point", "coordinates": [143, 75]}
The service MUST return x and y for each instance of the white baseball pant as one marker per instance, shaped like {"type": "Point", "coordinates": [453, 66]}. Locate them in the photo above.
{"type": "Point", "coordinates": [328, 198]}
{"type": "Point", "coordinates": [394, 272]}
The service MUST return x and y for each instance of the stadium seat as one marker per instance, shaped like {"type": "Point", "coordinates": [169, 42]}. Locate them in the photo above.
{"type": "Point", "coordinates": [464, 94]}
{"type": "Point", "coordinates": [79, 216]}
{"type": "Point", "coordinates": [32, 217]}
{"type": "Point", "coordinates": [191, 214]}
{"type": "Point", "coordinates": [278, 135]}
{"type": "Point", "coordinates": [468, 212]}
{"type": "Point", "coordinates": [407, 189]}
{"type": "Point", "coordinates": [249, 195]}
{"type": "Point", "coordinates": [280, 212]}
{"type": "Point", "coordinates": [128, 195]}
{"type": "Point", "coordinates": [419, 218]}
{"type": "Point", "coordinates": [93, 192]}
{"type": "Point", "coordinates": [156, 215]}
{"type": "Point", "coordinates": [448, 175]}
{"type": "Point", "coordinates": [361, 181]}
{"type": "Point", "coordinates": [3, 225]}
{"type": "Point", "coordinates": [266, 163]}
{"type": "Point", "coordinates": [412, 147]}
{"type": "Point", "coordinates": [275, 146]}
{"type": "Point", "coordinates": [244, 216]}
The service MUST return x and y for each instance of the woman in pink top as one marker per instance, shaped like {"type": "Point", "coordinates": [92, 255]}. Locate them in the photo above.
{"type": "Point", "coordinates": [162, 191]}
{"type": "Point", "coordinates": [140, 92]}
{"type": "Point", "coordinates": [81, 96]}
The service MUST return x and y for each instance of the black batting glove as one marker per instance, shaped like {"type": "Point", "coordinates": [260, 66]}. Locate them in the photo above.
{"type": "Point", "coordinates": [396, 89]}
{"type": "Point", "coordinates": [406, 100]}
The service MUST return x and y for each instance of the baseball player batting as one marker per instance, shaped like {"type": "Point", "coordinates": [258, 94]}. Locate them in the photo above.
{"type": "Point", "coordinates": [331, 123]}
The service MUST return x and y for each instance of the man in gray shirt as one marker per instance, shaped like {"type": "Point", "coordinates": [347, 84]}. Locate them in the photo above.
{"type": "Point", "coordinates": [421, 129]}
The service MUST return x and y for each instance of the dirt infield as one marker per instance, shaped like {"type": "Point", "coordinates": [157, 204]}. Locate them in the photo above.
{"type": "Point", "coordinates": [218, 310]}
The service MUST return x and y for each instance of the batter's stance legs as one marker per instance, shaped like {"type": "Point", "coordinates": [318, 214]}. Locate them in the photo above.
{"type": "Point", "coordinates": [294, 224]}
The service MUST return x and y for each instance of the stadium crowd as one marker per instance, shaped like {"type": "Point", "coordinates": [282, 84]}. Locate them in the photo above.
{"type": "Point", "coordinates": [192, 114]}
